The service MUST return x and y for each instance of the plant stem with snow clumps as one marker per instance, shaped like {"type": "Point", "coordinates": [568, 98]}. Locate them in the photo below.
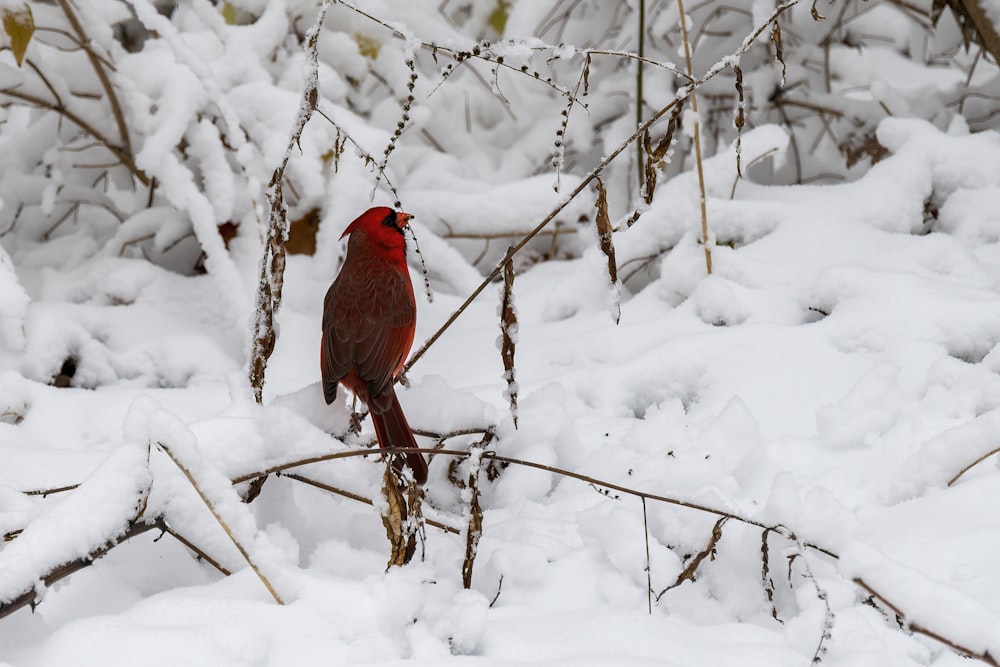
{"type": "Point", "coordinates": [272, 263]}
{"type": "Point", "coordinates": [508, 335]}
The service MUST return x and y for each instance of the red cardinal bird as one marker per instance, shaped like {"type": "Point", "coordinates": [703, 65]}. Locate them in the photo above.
{"type": "Point", "coordinates": [369, 316]}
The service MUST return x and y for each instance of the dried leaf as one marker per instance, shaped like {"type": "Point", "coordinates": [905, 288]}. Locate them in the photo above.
{"type": "Point", "coordinates": [19, 26]}
{"type": "Point", "coordinates": [695, 562]}
{"type": "Point", "coordinates": [227, 231]}
{"type": "Point", "coordinates": [229, 13]}
{"type": "Point", "coordinates": [740, 120]}
{"type": "Point", "coordinates": [402, 542]}
{"type": "Point", "coordinates": [302, 233]}
{"type": "Point", "coordinates": [474, 530]}
{"type": "Point", "coordinates": [974, 21]}
{"type": "Point", "coordinates": [815, 13]}
{"type": "Point", "coordinates": [604, 231]}
{"type": "Point", "coordinates": [779, 53]}
{"type": "Point", "coordinates": [860, 146]}
{"type": "Point", "coordinates": [367, 46]}
{"type": "Point", "coordinates": [765, 574]}
{"type": "Point", "coordinates": [499, 15]}
{"type": "Point", "coordinates": [508, 334]}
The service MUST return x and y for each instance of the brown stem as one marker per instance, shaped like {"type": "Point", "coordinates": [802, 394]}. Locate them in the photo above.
{"type": "Point", "coordinates": [59, 108]}
{"type": "Point", "coordinates": [919, 629]}
{"type": "Point", "coordinates": [30, 597]}
{"type": "Point", "coordinates": [102, 75]}
{"type": "Point", "coordinates": [361, 499]}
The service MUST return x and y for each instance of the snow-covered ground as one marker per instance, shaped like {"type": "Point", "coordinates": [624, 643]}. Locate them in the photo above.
{"type": "Point", "coordinates": [831, 376]}
{"type": "Point", "coordinates": [798, 424]}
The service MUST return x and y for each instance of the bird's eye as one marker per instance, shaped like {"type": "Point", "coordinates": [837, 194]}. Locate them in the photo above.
{"type": "Point", "coordinates": [390, 221]}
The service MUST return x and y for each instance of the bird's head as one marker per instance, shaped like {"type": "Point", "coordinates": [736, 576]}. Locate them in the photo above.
{"type": "Point", "coordinates": [381, 225]}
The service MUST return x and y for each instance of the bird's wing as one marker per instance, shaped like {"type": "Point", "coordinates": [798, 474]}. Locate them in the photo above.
{"type": "Point", "coordinates": [368, 324]}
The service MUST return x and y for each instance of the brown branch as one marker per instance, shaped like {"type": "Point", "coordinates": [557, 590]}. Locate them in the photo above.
{"type": "Point", "coordinates": [529, 464]}
{"type": "Point", "coordinates": [120, 153]}
{"type": "Point", "coordinates": [46, 492]}
{"type": "Point", "coordinates": [31, 598]}
{"type": "Point", "coordinates": [972, 465]}
{"type": "Point", "coordinates": [162, 525]}
{"type": "Point", "coordinates": [985, 656]}
{"type": "Point", "coordinates": [361, 499]}
{"type": "Point", "coordinates": [102, 75]}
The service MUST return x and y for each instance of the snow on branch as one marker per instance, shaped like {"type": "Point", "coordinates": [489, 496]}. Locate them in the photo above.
{"type": "Point", "coordinates": [81, 525]}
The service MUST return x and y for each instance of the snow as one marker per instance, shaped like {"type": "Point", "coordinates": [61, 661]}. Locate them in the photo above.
{"type": "Point", "coordinates": [824, 390]}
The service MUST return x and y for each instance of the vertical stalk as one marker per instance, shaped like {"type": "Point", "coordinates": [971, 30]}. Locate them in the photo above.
{"type": "Point", "coordinates": [640, 157]}
{"type": "Point", "coordinates": [697, 141]}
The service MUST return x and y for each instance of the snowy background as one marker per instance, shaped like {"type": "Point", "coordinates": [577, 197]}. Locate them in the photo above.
{"type": "Point", "coordinates": [775, 456]}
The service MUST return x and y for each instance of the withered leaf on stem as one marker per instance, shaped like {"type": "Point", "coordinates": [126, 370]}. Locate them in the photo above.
{"type": "Point", "coordinates": [657, 155]}
{"type": "Point", "coordinates": [402, 543]}
{"type": "Point", "coordinates": [508, 336]}
{"type": "Point", "coordinates": [975, 23]}
{"type": "Point", "coordinates": [765, 574]}
{"type": "Point", "coordinates": [779, 53]}
{"type": "Point", "coordinates": [708, 552]}
{"type": "Point", "coordinates": [740, 120]}
{"type": "Point", "coordinates": [604, 231]}
{"type": "Point", "coordinates": [815, 13]}
{"type": "Point", "coordinates": [474, 530]}
{"type": "Point", "coordinates": [20, 26]}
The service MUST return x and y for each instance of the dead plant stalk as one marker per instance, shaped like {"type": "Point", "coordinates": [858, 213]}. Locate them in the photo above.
{"type": "Point", "coordinates": [696, 137]}
{"type": "Point", "coordinates": [222, 522]}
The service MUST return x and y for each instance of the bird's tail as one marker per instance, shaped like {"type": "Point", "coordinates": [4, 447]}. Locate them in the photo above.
{"type": "Point", "coordinates": [392, 430]}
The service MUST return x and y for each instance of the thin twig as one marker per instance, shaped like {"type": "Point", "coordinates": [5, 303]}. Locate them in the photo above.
{"type": "Point", "coordinates": [705, 241]}
{"type": "Point", "coordinates": [99, 66]}
{"type": "Point", "coordinates": [985, 656]}
{"type": "Point", "coordinates": [969, 467]}
{"type": "Point", "coordinates": [222, 522]}
{"type": "Point", "coordinates": [31, 597]}
{"type": "Point", "coordinates": [190, 545]}
{"type": "Point", "coordinates": [126, 158]}
{"type": "Point", "coordinates": [528, 464]}
{"type": "Point", "coordinates": [649, 569]}
{"type": "Point", "coordinates": [361, 499]}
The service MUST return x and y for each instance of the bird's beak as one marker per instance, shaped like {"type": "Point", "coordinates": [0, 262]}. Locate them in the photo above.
{"type": "Point", "coordinates": [403, 218]}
